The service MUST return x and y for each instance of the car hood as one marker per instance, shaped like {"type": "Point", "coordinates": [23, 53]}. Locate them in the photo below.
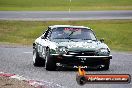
{"type": "Point", "coordinates": [80, 45]}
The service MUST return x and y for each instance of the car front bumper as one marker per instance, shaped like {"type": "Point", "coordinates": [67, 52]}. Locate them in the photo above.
{"type": "Point", "coordinates": [71, 61]}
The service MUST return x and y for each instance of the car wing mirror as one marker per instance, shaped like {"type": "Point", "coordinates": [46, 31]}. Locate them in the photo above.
{"type": "Point", "coordinates": [102, 40]}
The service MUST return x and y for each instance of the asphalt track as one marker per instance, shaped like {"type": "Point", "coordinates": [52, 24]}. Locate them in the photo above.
{"type": "Point", "coordinates": [64, 15]}
{"type": "Point", "coordinates": [18, 60]}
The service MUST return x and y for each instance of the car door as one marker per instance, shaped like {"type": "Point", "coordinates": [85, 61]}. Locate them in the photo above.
{"type": "Point", "coordinates": [42, 44]}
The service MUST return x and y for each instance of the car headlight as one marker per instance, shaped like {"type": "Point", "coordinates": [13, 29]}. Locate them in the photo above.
{"type": "Point", "coordinates": [103, 50]}
{"type": "Point", "coordinates": [62, 49]}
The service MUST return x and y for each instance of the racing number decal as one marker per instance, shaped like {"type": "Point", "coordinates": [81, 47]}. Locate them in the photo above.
{"type": "Point", "coordinates": [41, 50]}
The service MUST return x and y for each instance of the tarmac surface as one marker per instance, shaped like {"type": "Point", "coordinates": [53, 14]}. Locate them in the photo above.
{"type": "Point", "coordinates": [64, 15]}
{"type": "Point", "coordinates": [18, 60]}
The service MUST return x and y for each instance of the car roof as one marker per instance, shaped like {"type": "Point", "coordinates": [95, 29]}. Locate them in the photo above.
{"type": "Point", "coordinates": [55, 26]}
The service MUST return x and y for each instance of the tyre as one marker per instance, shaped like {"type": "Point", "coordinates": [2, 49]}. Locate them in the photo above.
{"type": "Point", "coordinates": [37, 61]}
{"type": "Point", "coordinates": [50, 63]}
{"type": "Point", "coordinates": [106, 64]}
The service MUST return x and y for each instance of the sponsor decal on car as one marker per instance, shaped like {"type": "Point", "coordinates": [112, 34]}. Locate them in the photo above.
{"type": "Point", "coordinates": [80, 66]}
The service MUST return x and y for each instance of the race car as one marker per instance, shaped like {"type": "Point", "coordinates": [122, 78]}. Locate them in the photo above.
{"type": "Point", "coordinates": [69, 46]}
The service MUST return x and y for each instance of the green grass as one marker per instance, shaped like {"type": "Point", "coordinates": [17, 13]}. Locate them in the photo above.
{"type": "Point", "coordinates": [117, 33]}
{"type": "Point", "coordinates": [50, 5]}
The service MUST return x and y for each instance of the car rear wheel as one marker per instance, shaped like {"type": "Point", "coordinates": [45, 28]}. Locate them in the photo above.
{"type": "Point", "coordinates": [50, 63]}
{"type": "Point", "coordinates": [37, 60]}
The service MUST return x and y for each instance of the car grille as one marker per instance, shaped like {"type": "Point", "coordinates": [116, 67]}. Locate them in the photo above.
{"type": "Point", "coordinates": [82, 53]}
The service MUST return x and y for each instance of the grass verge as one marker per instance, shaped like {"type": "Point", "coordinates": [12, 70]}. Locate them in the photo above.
{"type": "Point", "coordinates": [64, 5]}
{"type": "Point", "coordinates": [117, 33]}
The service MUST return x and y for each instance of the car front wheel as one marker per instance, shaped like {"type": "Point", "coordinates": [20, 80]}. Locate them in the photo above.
{"type": "Point", "coordinates": [37, 60]}
{"type": "Point", "coordinates": [106, 65]}
{"type": "Point", "coordinates": [50, 63]}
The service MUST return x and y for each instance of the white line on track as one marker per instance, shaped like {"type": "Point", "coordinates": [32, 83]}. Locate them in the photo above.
{"type": "Point", "coordinates": [122, 53]}
{"type": "Point", "coordinates": [125, 54]}
{"type": "Point", "coordinates": [27, 52]}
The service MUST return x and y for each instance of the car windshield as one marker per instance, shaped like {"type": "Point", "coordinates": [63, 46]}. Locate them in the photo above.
{"type": "Point", "coordinates": [72, 33]}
